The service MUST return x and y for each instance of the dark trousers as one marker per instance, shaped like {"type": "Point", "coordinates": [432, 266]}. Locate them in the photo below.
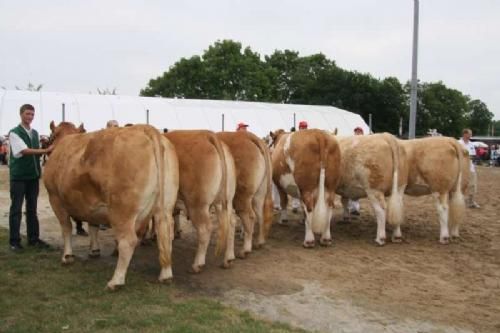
{"type": "Point", "coordinates": [20, 189]}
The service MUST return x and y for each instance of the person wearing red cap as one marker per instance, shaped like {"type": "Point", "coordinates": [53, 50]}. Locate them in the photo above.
{"type": "Point", "coordinates": [302, 125]}
{"type": "Point", "coordinates": [242, 127]}
{"type": "Point", "coordinates": [358, 131]}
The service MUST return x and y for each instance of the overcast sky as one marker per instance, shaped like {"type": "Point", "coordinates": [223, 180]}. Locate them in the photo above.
{"type": "Point", "coordinates": [79, 46]}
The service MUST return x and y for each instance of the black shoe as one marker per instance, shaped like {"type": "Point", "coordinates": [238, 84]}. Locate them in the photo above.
{"type": "Point", "coordinates": [16, 247]}
{"type": "Point", "coordinates": [81, 232]}
{"type": "Point", "coordinates": [39, 244]}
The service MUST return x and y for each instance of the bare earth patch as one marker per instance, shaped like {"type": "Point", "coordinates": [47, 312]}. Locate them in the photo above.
{"type": "Point", "coordinates": [354, 286]}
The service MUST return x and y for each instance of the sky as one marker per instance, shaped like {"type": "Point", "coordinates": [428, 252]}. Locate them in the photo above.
{"type": "Point", "coordinates": [80, 46]}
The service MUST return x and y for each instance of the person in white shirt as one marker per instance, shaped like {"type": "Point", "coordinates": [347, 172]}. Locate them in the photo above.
{"type": "Point", "coordinates": [469, 146]}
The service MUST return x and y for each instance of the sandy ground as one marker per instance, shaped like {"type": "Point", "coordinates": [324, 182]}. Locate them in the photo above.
{"type": "Point", "coordinates": [353, 286]}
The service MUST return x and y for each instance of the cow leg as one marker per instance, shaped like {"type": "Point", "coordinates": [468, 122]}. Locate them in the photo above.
{"type": "Point", "coordinates": [397, 236]}
{"type": "Point", "coordinates": [309, 240]}
{"type": "Point", "coordinates": [247, 216]}
{"type": "Point", "coordinates": [283, 220]}
{"type": "Point", "coordinates": [127, 241]}
{"type": "Point", "coordinates": [326, 237]}
{"type": "Point", "coordinates": [377, 201]}
{"type": "Point", "coordinates": [66, 228]}
{"type": "Point", "coordinates": [201, 221]}
{"type": "Point", "coordinates": [442, 208]}
{"type": "Point", "coordinates": [258, 205]}
{"type": "Point", "coordinates": [95, 251]}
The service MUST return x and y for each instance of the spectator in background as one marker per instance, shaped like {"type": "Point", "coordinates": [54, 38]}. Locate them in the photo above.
{"type": "Point", "coordinates": [303, 125]}
{"type": "Point", "coordinates": [242, 127]}
{"type": "Point", "coordinates": [469, 146]}
{"type": "Point", "coordinates": [165, 130]}
{"type": "Point", "coordinates": [3, 151]}
{"type": "Point", "coordinates": [112, 123]}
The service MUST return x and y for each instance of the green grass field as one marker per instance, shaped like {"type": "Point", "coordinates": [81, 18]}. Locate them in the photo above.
{"type": "Point", "coordinates": [37, 294]}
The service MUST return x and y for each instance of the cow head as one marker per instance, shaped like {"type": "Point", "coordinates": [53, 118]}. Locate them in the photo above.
{"type": "Point", "coordinates": [61, 130]}
{"type": "Point", "coordinates": [275, 136]}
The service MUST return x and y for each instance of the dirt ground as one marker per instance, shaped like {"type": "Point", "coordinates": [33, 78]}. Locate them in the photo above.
{"type": "Point", "coordinates": [353, 286]}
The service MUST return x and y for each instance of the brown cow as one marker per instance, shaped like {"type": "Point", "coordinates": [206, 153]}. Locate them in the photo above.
{"type": "Point", "coordinates": [252, 200]}
{"type": "Point", "coordinates": [306, 164]}
{"type": "Point", "coordinates": [437, 166]}
{"type": "Point", "coordinates": [372, 166]}
{"type": "Point", "coordinates": [93, 177]}
{"type": "Point", "coordinates": [206, 178]}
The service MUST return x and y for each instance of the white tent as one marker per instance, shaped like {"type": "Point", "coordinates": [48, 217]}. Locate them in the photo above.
{"type": "Point", "coordinates": [95, 110]}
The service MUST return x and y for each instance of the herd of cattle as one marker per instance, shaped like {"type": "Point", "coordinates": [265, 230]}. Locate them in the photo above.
{"type": "Point", "coordinates": [135, 178]}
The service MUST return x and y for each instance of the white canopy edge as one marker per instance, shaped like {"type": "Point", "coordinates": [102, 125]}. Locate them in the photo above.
{"type": "Point", "coordinates": [95, 110]}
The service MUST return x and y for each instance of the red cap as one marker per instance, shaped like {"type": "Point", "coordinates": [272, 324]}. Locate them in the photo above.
{"type": "Point", "coordinates": [303, 124]}
{"type": "Point", "coordinates": [358, 129]}
{"type": "Point", "coordinates": [241, 125]}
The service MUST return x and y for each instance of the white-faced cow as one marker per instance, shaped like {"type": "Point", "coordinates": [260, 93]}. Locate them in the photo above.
{"type": "Point", "coordinates": [306, 164]}
{"type": "Point", "coordinates": [252, 201]}
{"type": "Point", "coordinates": [94, 177]}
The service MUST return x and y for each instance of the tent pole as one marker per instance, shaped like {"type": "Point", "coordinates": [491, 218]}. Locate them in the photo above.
{"type": "Point", "coordinates": [63, 112]}
{"type": "Point", "coordinates": [223, 122]}
{"type": "Point", "coordinates": [147, 116]}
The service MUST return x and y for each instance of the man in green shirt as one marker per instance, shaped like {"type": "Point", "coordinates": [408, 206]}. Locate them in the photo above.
{"type": "Point", "coordinates": [25, 171]}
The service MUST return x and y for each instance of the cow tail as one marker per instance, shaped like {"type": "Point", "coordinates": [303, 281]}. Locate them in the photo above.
{"type": "Point", "coordinates": [320, 217]}
{"type": "Point", "coordinates": [395, 214]}
{"type": "Point", "coordinates": [225, 217]}
{"type": "Point", "coordinates": [457, 201]}
{"type": "Point", "coordinates": [268, 201]}
{"type": "Point", "coordinates": [163, 224]}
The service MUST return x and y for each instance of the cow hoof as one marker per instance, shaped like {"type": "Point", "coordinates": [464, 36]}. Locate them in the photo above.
{"type": "Point", "coordinates": [243, 254]}
{"type": "Point", "coordinates": [309, 244]}
{"type": "Point", "coordinates": [227, 264]}
{"type": "Point", "coordinates": [397, 239]}
{"type": "Point", "coordinates": [113, 287]}
{"type": "Point", "coordinates": [325, 242]}
{"type": "Point", "coordinates": [259, 246]}
{"type": "Point", "coordinates": [95, 254]}
{"type": "Point", "coordinates": [166, 281]}
{"type": "Point", "coordinates": [68, 259]}
{"type": "Point", "coordinates": [196, 269]}
{"type": "Point", "coordinates": [380, 241]}
{"type": "Point", "coordinates": [445, 240]}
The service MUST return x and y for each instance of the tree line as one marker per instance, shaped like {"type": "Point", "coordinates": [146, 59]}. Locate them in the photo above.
{"type": "Point", "coordinates": [228, 71]}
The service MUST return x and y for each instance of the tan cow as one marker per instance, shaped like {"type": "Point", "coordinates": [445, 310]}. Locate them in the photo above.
{"type": "Point", "coordinates": [437, 166]}
{"type": "Point", "coordinates": [206, 178]}
{"type": "Point", "coordinates": [94, 177]}
{"type": "Point", "coordinates": [374, 166]}
{"type": "Point", "coordinates": [306, 164]}
{"type": "Point", "coordinates": [252, 200]}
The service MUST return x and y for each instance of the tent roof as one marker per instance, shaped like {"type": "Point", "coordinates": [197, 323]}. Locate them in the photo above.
{"type": "Point", "coordinates": [95, 110]}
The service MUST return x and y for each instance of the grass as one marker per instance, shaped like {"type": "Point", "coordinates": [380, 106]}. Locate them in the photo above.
{"type": "Point", "coordinates": [37, 294]}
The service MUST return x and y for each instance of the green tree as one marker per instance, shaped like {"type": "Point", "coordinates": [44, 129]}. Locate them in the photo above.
{"type": "Point", "coordinates": [479, 117]}
{"type": "Point", "coordinates": [224, 71]}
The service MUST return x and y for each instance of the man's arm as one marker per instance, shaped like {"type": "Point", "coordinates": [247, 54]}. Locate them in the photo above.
{"type": "Point", "coordinates": [19, 148]}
